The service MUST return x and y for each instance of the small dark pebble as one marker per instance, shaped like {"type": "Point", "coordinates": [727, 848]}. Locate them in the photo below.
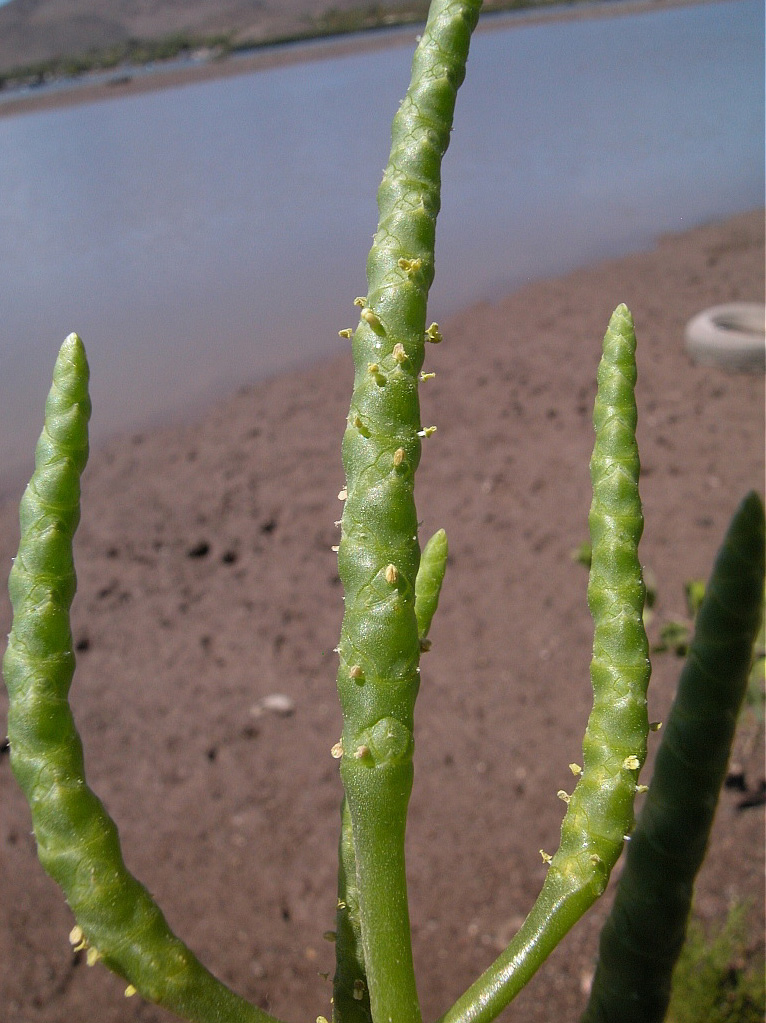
{"type": "Point", "coordinates": [82, 645]}
{"type": "Point", "coordinates": [757, 798]}
{"type": "Point", "coordinates": [229, 557]}
{"type": "Point", "coordinates": [736, 780]}
{"type": "Point", "coordinates": [199, 550]}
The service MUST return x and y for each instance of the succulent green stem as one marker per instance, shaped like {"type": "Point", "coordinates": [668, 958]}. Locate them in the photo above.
{"type": "Point", "coordinates": [600, 810]}
{"type": "Point", "coordinates": [77, 842]}
{"type": "Point", "coordinates": [379, 553]}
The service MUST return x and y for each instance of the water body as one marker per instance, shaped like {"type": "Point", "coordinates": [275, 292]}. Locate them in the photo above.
{"type": "Point", "coordinates": [206, 236]}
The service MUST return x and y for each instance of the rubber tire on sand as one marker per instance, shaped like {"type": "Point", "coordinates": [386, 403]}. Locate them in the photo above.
{"type": "Point", "coordinates": [732, 336]}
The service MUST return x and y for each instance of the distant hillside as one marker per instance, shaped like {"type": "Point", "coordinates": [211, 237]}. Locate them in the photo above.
{"type": "Point", "coordinates": [36, 34]}
{"type": "Point", "coordinates": [33, 31]}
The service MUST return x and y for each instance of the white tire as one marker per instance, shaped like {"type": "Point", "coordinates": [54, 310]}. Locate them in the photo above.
{"type": "Point", "coordinates": [731, 336]}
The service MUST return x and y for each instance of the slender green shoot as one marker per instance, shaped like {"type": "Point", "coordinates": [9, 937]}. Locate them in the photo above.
{"type": "Point", "coordinates": [118, 922]}
{"type": "Point", "coordinates": [600, 810]}
{"type": "Point", "coordinates": [379, 554]}
{"type": "Point", "coordinates": [428, 584]}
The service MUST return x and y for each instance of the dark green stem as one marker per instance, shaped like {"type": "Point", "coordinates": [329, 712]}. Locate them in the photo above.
{"type": "Point", "coordinates": [645, 931]}
{"type": "Point", "coordinates": [351, 996]}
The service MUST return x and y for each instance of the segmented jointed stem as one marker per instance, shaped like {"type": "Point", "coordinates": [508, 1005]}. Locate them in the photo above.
{"type": "Point", "coordinates": [379, 553]}
{"type": "Point", "coordinates": [614, 747]}
{"type": "Point", "coordinates": [645, 931]}
{"type": "Point", "coordinates": [77, 841]}
{"type": "Point", "coordinates": [600, 810]}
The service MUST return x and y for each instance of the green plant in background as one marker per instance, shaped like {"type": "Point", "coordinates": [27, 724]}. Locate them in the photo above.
{"type": "Point", "coordinates": [391, 594]}
{"type": "Point", "coordinates": [755, 693]}
{"type": "Point", "coordinates": [675, 635]}
{"type": "Point", "coordinates": [718, 978]}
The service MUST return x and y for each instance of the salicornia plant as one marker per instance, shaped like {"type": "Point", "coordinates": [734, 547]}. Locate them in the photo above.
{"type": "Point", "coordinates": [391, 594]}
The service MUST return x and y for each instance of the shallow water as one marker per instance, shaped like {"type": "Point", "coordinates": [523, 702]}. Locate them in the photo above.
{"type": "Point", "coordinates": [204, 236]}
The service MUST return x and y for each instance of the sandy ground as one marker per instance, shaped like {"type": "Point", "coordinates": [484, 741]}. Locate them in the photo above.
{"type": "Point", "coordinates": [207, 582]}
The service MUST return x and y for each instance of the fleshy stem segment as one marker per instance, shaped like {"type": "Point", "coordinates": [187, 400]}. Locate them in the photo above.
{"type": "Point", "coordinates": [645, 930]}
{"type": "Point", "coordinates": [379, 553]}
{"type": "Point", "coordinates": [77, 842]}
{"type": "Point", "coordinates": [600, 810]}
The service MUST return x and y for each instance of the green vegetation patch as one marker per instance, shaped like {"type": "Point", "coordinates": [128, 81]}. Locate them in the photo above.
{"type": "Point", "coordinates": [719, 976]}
